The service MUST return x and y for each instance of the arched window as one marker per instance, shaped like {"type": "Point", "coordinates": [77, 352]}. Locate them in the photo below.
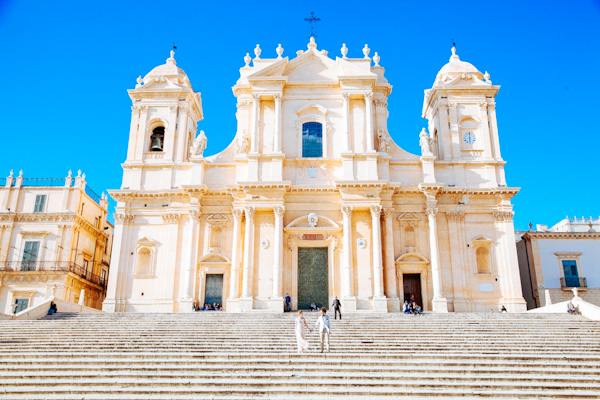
{"type": "Point", "coordinates": [143, 262]}
{"type": "Point", "coordinates": [312, 139]}
{"type": "Point", "coordinates": [409, 237]}
{"type": "Point", "coordinates": [157, 139]}
{"type": "Point", "coordinates": [483, 260]}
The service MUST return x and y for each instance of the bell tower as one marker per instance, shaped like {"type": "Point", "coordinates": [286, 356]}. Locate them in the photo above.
{"type": "Point", "coordinates": [461, 111]}
{"type": "Point", "coordinates": [164, 120]}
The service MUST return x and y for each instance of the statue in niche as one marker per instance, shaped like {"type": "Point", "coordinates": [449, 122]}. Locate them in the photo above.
{"type": "Point", "coordinates": [243, 144]}
{"type": "Point", "coordinates": [384, 140]}
{"type": "Point", "coordinates": [199, 145]}
{"type": "Point", "coordinates": [425, 142]}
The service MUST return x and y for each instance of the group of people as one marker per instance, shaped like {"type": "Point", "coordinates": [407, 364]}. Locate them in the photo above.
{"type": "Point", "coordinates": [207, 307]}
{"type": "Point", "coordinates": [323, 325]}
{"type": "Point", "coordinates": [411, 306]}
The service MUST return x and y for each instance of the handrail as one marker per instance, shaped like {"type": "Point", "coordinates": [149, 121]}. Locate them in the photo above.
{"type": "Point", "coordinates": [62, 266]}
{"type": "Point", "coordinates": [44, 182]}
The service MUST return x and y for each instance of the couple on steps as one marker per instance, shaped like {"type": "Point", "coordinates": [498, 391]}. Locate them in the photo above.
{"type": "Point", "coordinates": [324, 325]}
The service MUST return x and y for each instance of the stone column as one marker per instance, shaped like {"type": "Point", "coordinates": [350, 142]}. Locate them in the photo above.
{"type": "Point", "coordinates": [346, 126]}
{"type": "Point", "coordinates": [347, 292]}
{"type": "Point", "coordinates": [187, 276]}
{"type": "Point", "coordinates": [277, 132]}
{"type": "Point", "coordinates": [255, 118]}
{"type": "Point", "coordinates": [491, 112]}
{"type": "Point", "coordinates": [369, 122]}
{"type": "Point", "coordinates": [245, 302]}
{"type": "Point", "coordinates": [444, 134]}
{"type": "Point", "coordinates": [439, 302]}
{"type": "Point", "coordinates": [142, 134]}
{"type": "Point", "coordinates": [379, 301]}
{"type": "Point", "coordinates": [234, 279]}
{"type": "Point", "coordinates": [116, 277]}
{"type": "Point", "coordinates": [276, 301]}
{"type": "Point", "coordinates": [391, 288]}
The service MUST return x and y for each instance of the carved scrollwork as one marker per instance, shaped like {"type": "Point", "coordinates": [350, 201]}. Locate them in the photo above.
{"type": "Point", "coordinates": [278, 211]}
{"type": "Point", "coordinates": [277, 96]}
{"type": "Point", "coordinates": [171, 218]}
{"type": "Point", "coordinates": [249, 212]}
{"type": "Point", "coordinates": [237, 213]}
{"type": "Point", "coordinates": [242, 104]}
{"type": "Point", "coordinates": [501, 216]}
{"type": "Point", "coordinates": [347, 211]}
{"type": "Point", "coordinates": [431, 211]}
{"type": "Point", "coordinates": [455, 215]}
{"type": "Point", "coordinates": [376, 211]}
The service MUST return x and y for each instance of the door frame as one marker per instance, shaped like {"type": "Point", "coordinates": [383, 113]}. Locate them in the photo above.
{"type": "Point", "coordinates": [330, 243]}
{"type": "Point", "coordinates": [223, 288]}
{"type": "Point", "coordinates": [413, 263]}
{"type": "Point", "coordinates": [211, 265]}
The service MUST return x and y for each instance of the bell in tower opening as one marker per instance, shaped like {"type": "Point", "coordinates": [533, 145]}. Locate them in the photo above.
{"type": "Point", "coordinates": [157, 139]}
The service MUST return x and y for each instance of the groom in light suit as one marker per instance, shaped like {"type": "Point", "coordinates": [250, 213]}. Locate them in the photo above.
{"type": "Point", "coordinates": [324, 324]}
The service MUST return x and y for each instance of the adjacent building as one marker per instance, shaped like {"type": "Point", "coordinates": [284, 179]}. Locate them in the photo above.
{"type": "Point", "coordinates": [559, 258]}
{"type": "Point", "coordinates": [313, 197]}
{"type": "Point", "coordinates": [53, 233]}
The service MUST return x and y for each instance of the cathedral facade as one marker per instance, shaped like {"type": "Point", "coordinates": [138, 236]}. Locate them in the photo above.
{"type": "Point", "coordinates": [313, 198]}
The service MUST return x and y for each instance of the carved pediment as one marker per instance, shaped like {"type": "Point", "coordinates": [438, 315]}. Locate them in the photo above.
{"type": "Point", "coordinates": [411, 258]}
{"type": "Point", "coordinates": [214, 258]}
{"type": "Point", "coordinates": [145, 242]}
{"type": "Point", "coordinates": [216, 219]}
{"type": "Point", "coordinates": [313, 221]}
{"type": "Point", "coordinates": [408, 216]}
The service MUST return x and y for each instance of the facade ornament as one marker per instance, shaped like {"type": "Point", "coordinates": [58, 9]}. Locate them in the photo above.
{"type": "Point", "coordinates": [344, 50]}
{"type": "Point", "coordinates": [170, 218]}
{"type": "Point", "coordinates": [11, 173]}
{"type": "Point", "coordinates": [366, 50]}
{"type": "Point", "coordinates": [381, 103]}
{"type": "Point", "coordinates": [243, 144]}
{"type": "Point", "coordinates": [238, 213]}
{"type": "Point", "coordinates": [21, 173]}
{"type": "Point", "coordinates": [346, 96]}
{"type": "Point", "coordinates": [347, 211]}
{"type": "Point", "coordinates": [312, 44]}
{"type": "Point", "coordinates": [369, 96]}
{"type": "Point", "coordinates": [279, 50]}
{"type": "Point", "coordinates": [279, 211]}
{"type": "Point", "coordinates": [242, 104]}
{"type": "Point", "coordinates": [68, 174]}
{"type": "Point", "coordinates": [249, 212]}
{"type": "Point", "coordinates": [376, 210]}
{"type": "Point", "coordinates": [194, 214]}
{"type": "Point", "coordinates": [376, 59]}
{"type": "Point", "coordinates": [384, 140]}
{"type": "Point", "coordinates": [486, 76]}
{"type": "Point", "coordinates": [389, 212]}
{"type": "Point", "coordinates": [247, 59]}
{"type": "Point", "coordinates": [277, 96]}
{"type": "Point", "coordinates": [312, 220]}
{"type": "Point", "coordinates": [452, 106]}
{"type": "Point", "coordinates": [455, 215]}
{"type": "Point", "coordinates": [199, 144]}
{"type": "Point", "coordinates": [501, 216]}
{"type": "Point", "coordinates": [139, 80]}
{"type": "Point", "coordinates": [425, 142]}
{"type": "Point", "coordinates": [256, 97]}
{"type": "Point", "coordinates": [431, 211]}
{"type": "Point", "coordinates": [257, 52]}
{"type": "Point", "coordinates": [173, 107]}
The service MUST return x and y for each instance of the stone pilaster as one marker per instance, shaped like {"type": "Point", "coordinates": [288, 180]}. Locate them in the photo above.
{"type": "Point", "coordinates": [379, 300]}
{"type": "Point", "coordinates": [276, 301]}
{"type": "Point", "coordinates": [347, 292]}
{"type": "Point", "coordinates": [245, 302]}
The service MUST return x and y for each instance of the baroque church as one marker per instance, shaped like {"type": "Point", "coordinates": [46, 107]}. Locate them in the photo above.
{"type": "Point", "coordinates": [312, 197]}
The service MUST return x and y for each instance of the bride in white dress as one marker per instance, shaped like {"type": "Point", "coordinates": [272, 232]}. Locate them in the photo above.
{"type": "Point", "coordinates": [300, 338]}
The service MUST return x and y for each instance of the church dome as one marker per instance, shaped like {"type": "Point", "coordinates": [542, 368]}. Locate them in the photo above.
{"type": "Point", "coordinates": [456, 67]}
{"type": "Point", "coordinates": [169, 70]}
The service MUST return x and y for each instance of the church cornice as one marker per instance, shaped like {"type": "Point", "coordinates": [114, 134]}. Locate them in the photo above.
{"type": "Point", "coordinates": [125, 194]}
{"type": "Point", "coordinates": [562, 235]}
{"type": "Point", "coordinates": [265, 185]}
{"type": "Point", "coordinates": [360, 184]}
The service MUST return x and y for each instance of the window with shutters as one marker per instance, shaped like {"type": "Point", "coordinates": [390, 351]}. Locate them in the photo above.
{"type": "Point", "coordinates": [40, 203]}
{"type": "Point", "coordinates": [30, 255]}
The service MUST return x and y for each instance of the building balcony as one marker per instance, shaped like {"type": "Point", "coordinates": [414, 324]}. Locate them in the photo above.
{"type": "Point", "coordinates": [569, 283]}
{"type": "Point", "coordinates": [53, 266]}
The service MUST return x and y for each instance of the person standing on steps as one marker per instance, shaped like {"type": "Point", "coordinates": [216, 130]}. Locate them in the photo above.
{"type": "Point", "coordinates": [288, 300]}
{"type": "Point", "coordinates": [300, 338]}
{"type": "Point", "coordinates": [337, 307]}
{"type": "Point", "coordinates": [324, 324]}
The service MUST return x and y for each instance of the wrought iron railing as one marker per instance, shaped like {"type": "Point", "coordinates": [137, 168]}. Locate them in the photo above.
{"type": "Point", "coordinates": [45, 182]}
{"type": "Point", "coordinates": [92, 194]}
{"type": "Point", "coordinates": [62, 266]}
{"type": "Point", "coordinates": [573, 282]}
{"type": "Point", "coordinates": [2, 182]}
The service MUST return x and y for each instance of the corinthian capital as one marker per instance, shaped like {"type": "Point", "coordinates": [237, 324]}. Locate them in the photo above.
{"type": "Point", "coordinates": [376, 211]}
{"type": "Point", "coordinates": [431, 211]}
{"type": "Point", "coordinates": [279, 211]}
{"type": "Point", "coordinates": [347, 211]}
{"type": "Point", "coordinates": [250, 212]}
{"type": "Point", "coordinates": [369, 96]}
{"type": "Point", "coordinates": [346, 96]}
{"type": "Point", "coordinates": [256, 97]}
{"type": "Point", "coordinates": [237, 213]}
{"type": "Point", "coordinates": [277, 96]}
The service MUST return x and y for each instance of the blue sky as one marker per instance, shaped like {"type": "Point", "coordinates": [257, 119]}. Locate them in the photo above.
{"type": "Point", "coordinates": [67, 66]}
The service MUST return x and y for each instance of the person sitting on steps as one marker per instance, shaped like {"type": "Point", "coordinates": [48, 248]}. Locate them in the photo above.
{"type": "Point", "coordinates": [53, 308]}
{"type": "Point", "coordinates": [571, 309]}
{"type": "Point", "coordinates": [406, 307]}
{"type": "Point", "coordinates": [313, 307]}
{"type": "Point", "coordinates": [416, 308]}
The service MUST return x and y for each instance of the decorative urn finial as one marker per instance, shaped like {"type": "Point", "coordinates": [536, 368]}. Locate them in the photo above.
{"type": "Point", "coordinates": [12, 171]}
{"type": "Point", "coordinates": [344, 50]}
{"type": "Point", "coordinates": [70, 173]}
{"type": "Point", "coordinates": [376, 59]}
{"type": "Point", "coordinates": [21, 173]}
{"type": "Point", "coordinates": [312, 44]}
{"type": "Point", "coordinates": [247, 59]}
{"type": "Point", "coordinates": [139, 80]}
{"type": "Point", "coordinates": [279, 50]}
{"type": "Point", "coordinates": [366, 51]}
{"type": "Point", "coordinates": [257, 52]}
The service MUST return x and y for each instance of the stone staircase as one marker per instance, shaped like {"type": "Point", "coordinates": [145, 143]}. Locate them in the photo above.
{"type": "Point", "coordinates": [214, 355]}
